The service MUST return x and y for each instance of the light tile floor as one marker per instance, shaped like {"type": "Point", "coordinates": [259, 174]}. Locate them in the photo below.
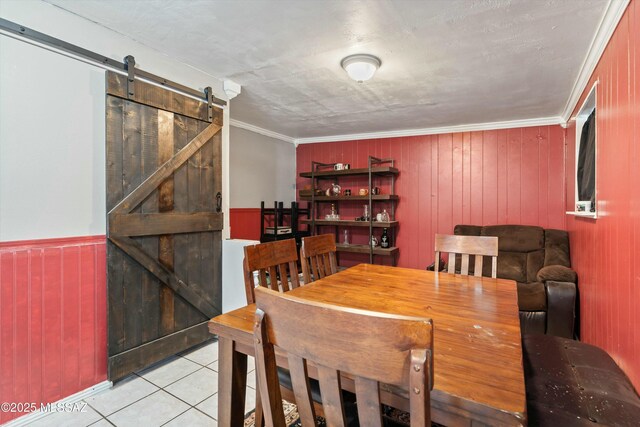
{"type": "Point", "coordinates": [180, 391]}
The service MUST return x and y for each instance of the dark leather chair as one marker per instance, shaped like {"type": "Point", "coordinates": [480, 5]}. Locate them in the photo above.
{"type": "Point", "coordinates": [570, 383]}
{"type": "Point", "coordinates": [538, 260]}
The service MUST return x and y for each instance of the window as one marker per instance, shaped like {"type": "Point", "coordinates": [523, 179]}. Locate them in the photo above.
{"type": "Point", "coordinates": [585, 195]}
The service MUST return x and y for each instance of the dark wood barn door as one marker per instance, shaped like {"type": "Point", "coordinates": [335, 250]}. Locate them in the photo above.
{"type": "Point", "coordinates": [164, 224]}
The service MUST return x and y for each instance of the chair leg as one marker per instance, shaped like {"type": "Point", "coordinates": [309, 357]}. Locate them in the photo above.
{"type": "Point", "coordinates": [259, 413]}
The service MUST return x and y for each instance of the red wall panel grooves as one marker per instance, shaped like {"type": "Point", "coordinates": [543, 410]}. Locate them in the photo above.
{"type": "Point", "coordinates": [244, 223]}
{"type": "Point", "coordinates": [53, 312]}
{"type": "Point", "coordinates": [605, 251]}
{"type": "Point", "coordinates": [484, 177]}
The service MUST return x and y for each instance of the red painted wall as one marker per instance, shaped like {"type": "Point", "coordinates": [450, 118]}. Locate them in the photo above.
{"type": "Point", "coordinates": [245, 223]}
{"type": "Point", "coordinates": [606, 251]}
{"type": "Point", "coordinates": [53, 340]}
{"type": "Point", "coordinates": [511, 176]}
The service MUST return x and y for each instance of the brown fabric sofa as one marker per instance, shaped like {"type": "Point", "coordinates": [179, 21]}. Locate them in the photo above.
{"type": "Point", "coordinates": [538, 260]}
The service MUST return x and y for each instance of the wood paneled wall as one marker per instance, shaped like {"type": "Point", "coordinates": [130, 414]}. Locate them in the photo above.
{"type": "Point", "coordinates": [53, 340]}
{"type": "Point", "coordinates": [606, 251]}
{"type": "Point", "coordinates": [511, 176]}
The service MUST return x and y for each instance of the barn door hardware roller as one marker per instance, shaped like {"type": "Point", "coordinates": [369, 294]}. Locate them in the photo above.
{"type": "Point", "coordinates": [209, 94]}
{"type": "Point", "coordinates": [130, 66]}
{"type": "Point", "coordinates": [127, 66]}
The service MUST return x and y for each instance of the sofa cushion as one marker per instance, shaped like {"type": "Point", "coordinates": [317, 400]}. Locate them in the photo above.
{"type": "Point", "coordinates": [512, 265]}
{"type": "Point", "coordinates": [516, 238]}
{"type": "Point", "coordinates": [467, 230]}
{"type": "Point", "coordinates": [535, 261]}
{"type": "Point", "coordinates": [532, 296]}
{"type": "Point", "coordinates": [557, 273]}
{"type": "Point", "coordinates": [556, 244]}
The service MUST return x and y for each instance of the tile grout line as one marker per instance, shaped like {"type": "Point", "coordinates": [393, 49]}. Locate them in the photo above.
{"type": "Point", "coordinates": [126, 406]}
{"type": "Point", "coordinates": [163, 388]}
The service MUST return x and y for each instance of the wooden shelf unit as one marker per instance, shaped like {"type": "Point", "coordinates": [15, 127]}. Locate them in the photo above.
{"type": "Point", "coordinates": [348, 198]}
{"type": "Point", "coordinates": [364, 249]}
{"type": "Point", "coordinates": [380, 170]}
{"type": "Point", "coordinates": [376, 168]}
{"type": "Point", "coordinates": [350, 223]}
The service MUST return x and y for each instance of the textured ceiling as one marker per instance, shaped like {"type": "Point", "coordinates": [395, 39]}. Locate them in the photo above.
{"type": "Point", "coordinates": [444, 62]}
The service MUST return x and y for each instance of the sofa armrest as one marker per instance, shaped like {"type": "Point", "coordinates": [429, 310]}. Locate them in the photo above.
{"type": "Point", "coordinates": [557, 273]}
{"type": "Point", "coordinates": [561, 308]}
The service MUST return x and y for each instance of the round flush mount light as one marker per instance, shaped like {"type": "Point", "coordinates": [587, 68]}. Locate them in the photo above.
{"type": "Point", "coordinates": [361, 67]}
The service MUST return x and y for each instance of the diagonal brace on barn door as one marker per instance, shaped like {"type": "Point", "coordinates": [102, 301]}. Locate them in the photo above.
{"type": "Point", "coordinates": [143, 191]}
{"type": "Point", "coordinates": [191, 295]}
{"type": "Point", "coordinates": [123, 224]}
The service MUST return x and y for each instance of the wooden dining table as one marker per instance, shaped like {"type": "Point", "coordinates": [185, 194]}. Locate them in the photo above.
{"type": "Point", "coordinates": [478, 372]}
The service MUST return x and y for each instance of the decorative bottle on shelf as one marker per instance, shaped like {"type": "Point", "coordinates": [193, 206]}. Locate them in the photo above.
{"type": "Point", "coordinates": [384, 240]}
{"type": "Point", "coordinates": [346, 237]}
{"type": "Point", "coordinates": [334, 215]}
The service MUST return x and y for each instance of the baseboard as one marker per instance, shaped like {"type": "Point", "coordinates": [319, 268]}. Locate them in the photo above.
{"type": "Point", "coordinates": [77, 397]}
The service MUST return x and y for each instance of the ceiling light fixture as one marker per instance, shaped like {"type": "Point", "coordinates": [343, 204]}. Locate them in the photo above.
{"type": "Point", "coordinates": [361, 67]}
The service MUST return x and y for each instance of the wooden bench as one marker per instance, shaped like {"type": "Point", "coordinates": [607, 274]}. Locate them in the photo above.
{"type": "Point", "coordinates": [570, 383]}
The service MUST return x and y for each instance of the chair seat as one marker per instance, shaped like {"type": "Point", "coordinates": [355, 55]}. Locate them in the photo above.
{"type": "Point", "coordinates": [532, 296]}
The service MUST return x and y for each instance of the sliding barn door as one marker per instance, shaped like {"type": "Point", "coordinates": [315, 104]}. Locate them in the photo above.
{"type": "Point", "coordinates": [164, 222]}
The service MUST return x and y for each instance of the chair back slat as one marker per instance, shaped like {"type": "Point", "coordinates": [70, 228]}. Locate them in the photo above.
{"type": "Point", "coordinates": [321, 266]}
{"type": "Point", "coordinates": [371, 347]}
{"type": "Point", "coordinates": [318, 257]}
{"type": "Point", "coordinates": [464, 246]}
{"type": "Point", "coordinates": [262, 278]}
{"type": "Point", "coordinates": [464, 268]}
{"type": "Point", "coordinates": [369, 409]}
{"type": "Point", "coordinates": [315, 269]}
{"type": "Point", "coordinates": [331, 392]}
{"type": "Point", "coordinates": [477, 269]}
{"type": "Point", "coordinates": [494, 267]}
{"type": "Point", "coordinates": [266, 259]}
{"type": "Point", "coordinates": [273, 278]}
{"type": "Point", "coordinates": [451, 268]}
{"type": "Point", "coordinates": [302, 389]}
{"type": "Point", "coordinates": [282, 270]}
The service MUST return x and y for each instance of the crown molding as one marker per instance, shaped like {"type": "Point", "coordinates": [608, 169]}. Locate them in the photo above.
{"type": "Point", "coordinates": [612, 15]}
{"type": "Point", "coordinates": [543, 121]}
{"type": "Point", "coordinates": [261, 131]}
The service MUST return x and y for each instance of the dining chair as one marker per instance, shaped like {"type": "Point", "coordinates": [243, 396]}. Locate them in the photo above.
{"type": "Point", "coordinates": [318, 257]}
{"type": "Point", "coordinates": [480, 246]}
{"type": "Point", "coordinates": [369, 347]}
{"type": "Point", "coordinates": [276, 264]}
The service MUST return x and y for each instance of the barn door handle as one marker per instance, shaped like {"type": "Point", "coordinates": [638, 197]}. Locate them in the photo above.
{"type": "Point", "coordinates": [219, 202]}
